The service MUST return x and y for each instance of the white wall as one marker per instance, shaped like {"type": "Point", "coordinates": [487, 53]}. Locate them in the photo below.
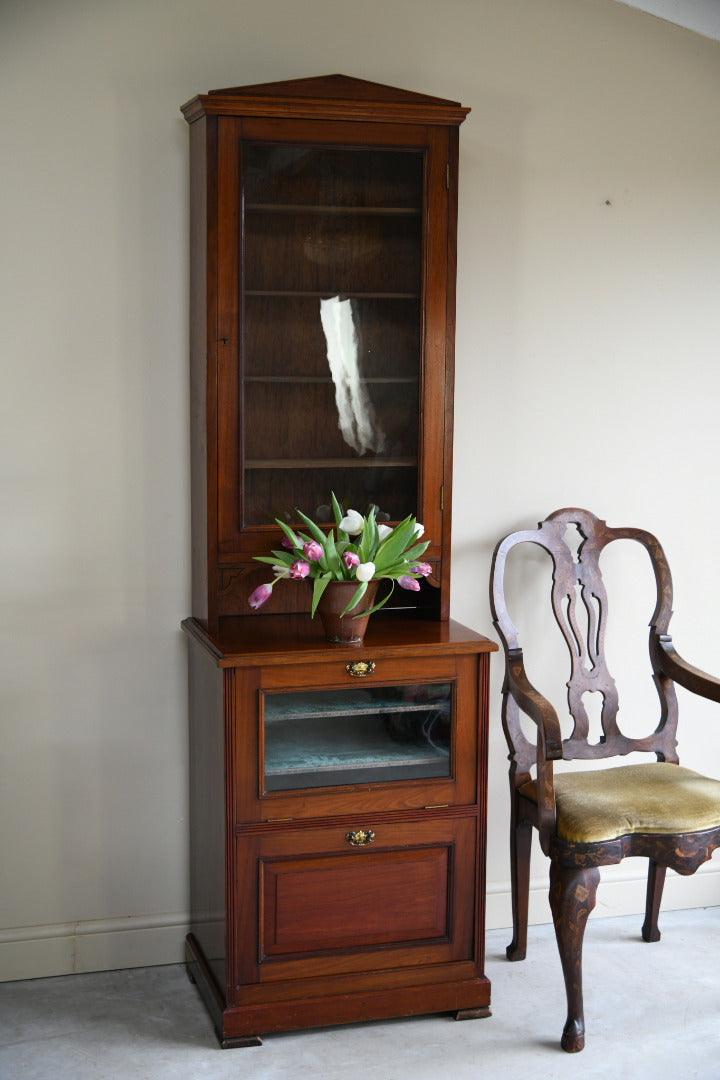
{"type": "Point", "coordinates": [587, 373]}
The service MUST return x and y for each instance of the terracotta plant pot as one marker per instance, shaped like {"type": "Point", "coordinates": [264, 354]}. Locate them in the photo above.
{"type": "Point", "coordinates": [340, 628]}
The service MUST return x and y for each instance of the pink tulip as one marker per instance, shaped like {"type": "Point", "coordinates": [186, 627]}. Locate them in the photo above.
{"type": "Point", "coordinates": [287, 543]}
{"type": "Point", "coordinates": [312, 551]}
{"type": "Point", "coordinates": [299, 570]}
{"type": "Point", "coordinates": [350, 559]}
{"type": "Point", "coordinates": [259, 596]}
{"type": "Point", "coordinates": [407, 582]}
{"type": "Point", "coordinates": [422, 568]}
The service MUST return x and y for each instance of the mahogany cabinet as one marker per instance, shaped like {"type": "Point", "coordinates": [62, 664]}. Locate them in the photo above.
{"type": "Point", "coordinates": [337, 792]}
{"type": "Point", "coordinates": [338, 823]}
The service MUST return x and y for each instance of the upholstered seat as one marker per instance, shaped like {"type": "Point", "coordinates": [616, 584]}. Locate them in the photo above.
{"type": "Point", "coordinates": [592, 817]}
{"type": "Point", "coordinates": [601, 805]}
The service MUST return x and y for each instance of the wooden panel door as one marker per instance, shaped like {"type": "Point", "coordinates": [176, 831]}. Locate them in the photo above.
{"type": "Point", "coordinates": [319, 906]}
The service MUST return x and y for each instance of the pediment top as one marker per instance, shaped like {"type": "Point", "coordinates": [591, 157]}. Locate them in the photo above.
{"type": "Point", "coordinates": [327, 97]}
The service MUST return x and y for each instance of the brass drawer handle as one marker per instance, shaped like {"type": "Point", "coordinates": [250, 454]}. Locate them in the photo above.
{"type": "Point", "coordinates": [360, 837]}
{"type": "Point", "coordinates": [360, 668]}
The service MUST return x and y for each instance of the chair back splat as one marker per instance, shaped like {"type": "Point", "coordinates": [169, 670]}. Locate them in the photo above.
{"type": "Point", "coordinates": [577, 580]}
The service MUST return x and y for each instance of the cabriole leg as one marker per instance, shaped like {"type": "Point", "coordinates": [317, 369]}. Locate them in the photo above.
{"type": "Point", "coordinates": [572, 898]}
{"type": "Point", "coordinates": [656, 880]}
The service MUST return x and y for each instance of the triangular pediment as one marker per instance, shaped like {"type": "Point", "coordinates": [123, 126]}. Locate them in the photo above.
{"type": "Point", "coordinates": [337, 88]}
{"type": "Point", "coordinates": [327, 97]}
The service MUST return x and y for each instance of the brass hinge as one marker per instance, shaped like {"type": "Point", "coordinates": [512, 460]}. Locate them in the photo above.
{"type": "Point", "coordinates": [447, 176]}
{"type": "Point", "coordinates": [442, 496]}
{"type": "Point", "coordinates": [437, 806]}
{"type": "Point", "coordinates": [276, 820]}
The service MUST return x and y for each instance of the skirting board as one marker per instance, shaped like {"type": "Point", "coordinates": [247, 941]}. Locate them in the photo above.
{"type": "Point", "coordinates": [36, 952]}
{"type": "Point", "coordinates": [105, 944]}
{"type": "Point", "coordinates": [619, 893]}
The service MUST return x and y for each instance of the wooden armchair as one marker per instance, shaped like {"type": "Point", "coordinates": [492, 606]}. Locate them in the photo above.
{"type": "Point", "coordinates": [587, 819]}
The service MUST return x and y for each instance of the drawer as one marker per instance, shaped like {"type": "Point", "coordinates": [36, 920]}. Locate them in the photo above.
{"type": "Point", "coordinates": [364, 895]}
{"type": "Point", "coordinates": [315, 740]}
{"type": "Point", "coordinates": [369, 668]}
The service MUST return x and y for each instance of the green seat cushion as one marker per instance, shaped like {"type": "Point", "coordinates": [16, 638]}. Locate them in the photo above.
{"type": "Point", "coordinates": [652, 798]}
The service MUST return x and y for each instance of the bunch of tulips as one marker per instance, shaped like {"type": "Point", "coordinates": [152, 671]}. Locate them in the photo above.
{"type": "Point", "coordinates": [358, 549]}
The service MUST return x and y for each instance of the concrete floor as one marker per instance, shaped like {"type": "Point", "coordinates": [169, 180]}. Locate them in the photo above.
{"type": "Point", "coordinates": [651, 1011]}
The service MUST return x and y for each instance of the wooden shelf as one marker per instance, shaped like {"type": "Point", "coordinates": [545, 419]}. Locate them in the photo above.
{"type": "Point", "coordinates": [343, 704]}
{"type": "Point", "coordinates": [332, 463]}
{"type": "Point", "coordinates": [326, 294]}
{"type": "Point", "coordinates": [292, 208]}
{"type": "Point", "coordinates": [373, 379]}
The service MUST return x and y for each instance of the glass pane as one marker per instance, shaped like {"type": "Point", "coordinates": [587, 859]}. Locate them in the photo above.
{"type": "Point", "coordinates": [332, 281]}
{"type": "Point", "coordinates": [373, 735]}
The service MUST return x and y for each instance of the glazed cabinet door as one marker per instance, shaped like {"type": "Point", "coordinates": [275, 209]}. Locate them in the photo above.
{"type": "Point", "coordinates": [316, 740]}
{"type": "Point", "coordinates": [332, 373]}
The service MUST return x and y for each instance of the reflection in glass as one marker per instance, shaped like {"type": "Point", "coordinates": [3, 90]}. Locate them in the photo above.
{"type": "Point", "coordinates": [356, 416]}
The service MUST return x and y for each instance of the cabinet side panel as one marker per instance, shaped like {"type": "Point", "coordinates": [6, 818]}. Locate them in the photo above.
{"type": "Point", "coordinates": [483, 661]}
{"type": "Point", "coordinates": [203, 258]}
{"type": "Point", "coordinates": [435, 491]}
{"type": "Point", "coordinates": [452, 223]}
{"type": "Point", "coordinates": [207, 810]}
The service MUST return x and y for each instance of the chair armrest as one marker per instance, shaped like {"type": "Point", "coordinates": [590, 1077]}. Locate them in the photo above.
{"type": "Point", "coordinates": [537, 707]}
{"type": "Point", "coordinates": [670, 663]}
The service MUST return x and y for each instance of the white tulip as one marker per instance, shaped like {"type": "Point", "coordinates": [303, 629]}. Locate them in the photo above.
{"type": "Point", "coordinates": [365, 571]}
{"type": "Point", "coordinates": [352, 523]}
{"type": "Point", "coordinates": [419, 530]}
{"type": "Point", "coordinates": [383, 531]}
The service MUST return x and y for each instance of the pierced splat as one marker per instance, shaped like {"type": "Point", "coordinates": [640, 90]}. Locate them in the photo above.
{"type": "Point", "coordinates": [579, 603]}
{"type": "Point", "coordinates": [575, 539]}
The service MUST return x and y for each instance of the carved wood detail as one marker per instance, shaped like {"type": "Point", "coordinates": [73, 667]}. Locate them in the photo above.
{"type": "Point", "coordinates": [572, 898]}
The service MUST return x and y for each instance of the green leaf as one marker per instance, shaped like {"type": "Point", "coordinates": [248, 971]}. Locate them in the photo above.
{"type": "Point", "coordinates": [333, 558]}
{"type": "Point", "coordinates": [356, 598]}
{"type": "Point", "coordinates": [276, 559]}
{"type": "Point", "coordinates": [337, 508]}
{"type": "Point", "coordinates": [394, 545]}
{"type": "Point", "coordinates": [319, 586]}
{"type": "Point", "coordinates": [369, 539]}
{"type": "Point", "coordinates": [397, 570]}
{"type": "Point", "coordinates": [378, 606]}
{"type": "Point", "coordinates": [343, 537]}
{"type": "Point", "coordinates": [317, 532]}
{"type": "Point", "coordinates": [291, 535]}
{"type": "Point", "coordinates": [413, 554]}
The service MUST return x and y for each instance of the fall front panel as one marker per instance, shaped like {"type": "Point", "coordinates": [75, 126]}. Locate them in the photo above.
{"type": "Point", "coordinates": [367, 895]}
